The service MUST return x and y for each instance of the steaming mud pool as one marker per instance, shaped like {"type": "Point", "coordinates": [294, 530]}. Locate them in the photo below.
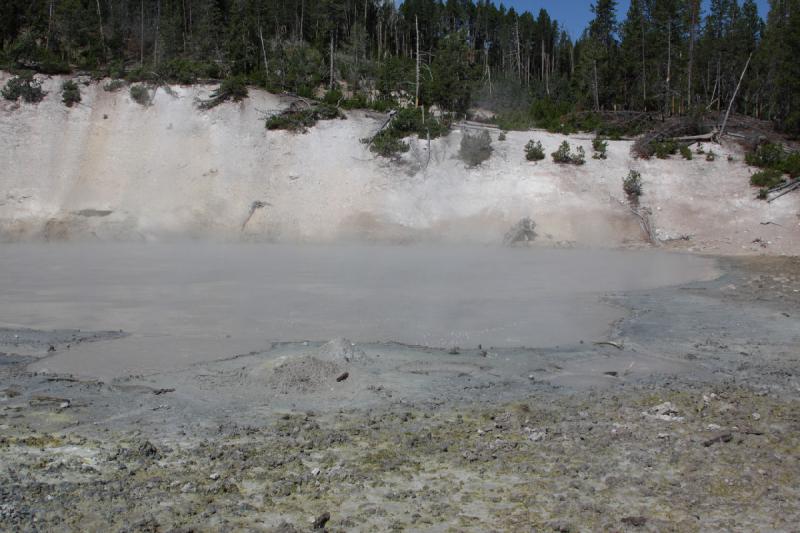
{"type": "Point", "coordinates": [205, 387]}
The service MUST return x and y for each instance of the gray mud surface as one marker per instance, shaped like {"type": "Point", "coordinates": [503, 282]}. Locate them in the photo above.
{"type": "Point", "coordinates": [686, 417]}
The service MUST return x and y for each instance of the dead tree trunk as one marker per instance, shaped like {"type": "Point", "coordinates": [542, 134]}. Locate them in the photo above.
{"type": "Point", "coordinates": [141, 34]}
{"type": "Point", "coordinates": [155, 39]}
{"type": "Point", "coordinates": [416, 90]}
{"type": "Point", "coordinates": [669, 68]}
{"type": "Point", "coordinates": [695, 6]}
{"type": "Point", "coordinates": [735, 92]}
{"type": "Point", "coordinates": [333, 80]}
{"type": "Point", "coordinates": [263, 49]}
{"type": "Point", "coordinates": [102, 33]}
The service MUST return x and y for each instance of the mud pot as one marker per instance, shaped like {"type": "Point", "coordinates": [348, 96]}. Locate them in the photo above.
{"type": "Point", "coordinates": [194, 387]}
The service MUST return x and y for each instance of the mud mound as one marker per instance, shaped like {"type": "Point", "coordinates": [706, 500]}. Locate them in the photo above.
{"type": "Point", "coordinates": [341, 350]}
{"type": "Point", "coordinates": [303, 374]}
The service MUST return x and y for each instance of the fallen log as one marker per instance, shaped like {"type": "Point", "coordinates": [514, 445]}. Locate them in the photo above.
{"type": "Point", "coordinates": [786, 185]}
{"type": "Point", "coordinates": [616, 345]}
{"type": "Point", "coordinates": [703, 137]}
{"type": "Point", "coordinates": [795, 185]}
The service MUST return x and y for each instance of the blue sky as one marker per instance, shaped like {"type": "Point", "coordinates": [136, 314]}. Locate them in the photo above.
{"type": "Point", "coordinates": [575, 14]}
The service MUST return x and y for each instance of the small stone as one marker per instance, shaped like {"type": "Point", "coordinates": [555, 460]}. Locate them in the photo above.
{"type": "Point", "coordinates": [635, 521]}
{"type": "Point", "coordinates": [756, 416]}
{"type": "Point", "coordinates": [215, 476]}
{"type": "Point", "coordinates": [321, 520]}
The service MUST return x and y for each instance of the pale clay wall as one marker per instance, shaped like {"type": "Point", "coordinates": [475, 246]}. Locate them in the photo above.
{"type": "Point", "coordinates": [171, 170]}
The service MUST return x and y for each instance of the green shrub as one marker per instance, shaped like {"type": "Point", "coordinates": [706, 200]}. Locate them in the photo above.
{"type": "Point", "coordinates": [409, 121]}
{"type": "Point", "coordinates": [564, 155]}
{"type": "Point", "coordinates": [763, 194]}
{"type": "Point", "coordinates": [70, 93]}
{"type": "Point", "coordinates": [475, 148]}
{"type": "Point", "coordinates": [632, 184]}
{"type": "Point", "coordinates": [234, 89]}
{"type": "Point", "coordinates": [767, 178]}
{"type": "Point", "coordinates": [502, 136]}
{"type": "Point", "coordinates": [772, 155]}
{"type": "Point", "coordinates": [114, 86]}
{"type": "Point", "coordinates": [185, 71]}
{"type": "Point", "coordinates": [140, 94]}
{"type": "Point", "coordinates": [664, 149]}
{"type": "Point", "coordinates": [298, 120]}
{"type": "Point", "coordinates": [406, 122]}
{"type": "Point", "coordinates": [711, 156]}
{"type": "Point", "coordinates": [387, 145]}
{"type": "Point", "coordinates": [767, 155]}
{"type": "Point", "coordinates": [686, 153]}
{"type": "Point", "coordinates": [333, 97]}
{"type": "Point", "coordinates": [25, 87]}
{"type": "Point", "coordinates": [534, 151]}
{"type": "Point", "coordinates": [600, 147]}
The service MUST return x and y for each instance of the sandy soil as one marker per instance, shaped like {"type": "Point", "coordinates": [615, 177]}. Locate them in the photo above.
{"type": "Point", "coordinates": [110, 169]}
{"type": "Point", "coordinates": [690, 425]}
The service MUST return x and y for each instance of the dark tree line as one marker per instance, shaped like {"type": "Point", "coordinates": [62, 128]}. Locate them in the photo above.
{"type": "Point", "coordinates": [668, 56]}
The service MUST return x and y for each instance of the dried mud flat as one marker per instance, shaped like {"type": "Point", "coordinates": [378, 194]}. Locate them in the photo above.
{"type": "Point", "coordinates": [688, 419]}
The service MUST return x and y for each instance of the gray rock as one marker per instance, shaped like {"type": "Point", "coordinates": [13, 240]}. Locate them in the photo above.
{"type": "Point", "coordinates": [340, 350]}
{"type": "Point", "coordinates": [522, 231]}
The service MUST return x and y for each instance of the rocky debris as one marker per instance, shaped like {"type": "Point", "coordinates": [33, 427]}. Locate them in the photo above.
{"type": "Point", "coordinates": [342, 377]}
{"type": "Point", "coordinates": [304, 374]}
{"type": "Point", "coordinates": [49, 340]}
{"type": "Point", "coordinates": [89, 213]}
{"type": "Point", "coordinates": [321, 520]}
{"type": "Point", "coordinates": [635, 521]}
{"type": "Point", "coordinates": [722, 437]}
{"type": "Point", "coordinates": [521, 232]}
{"type": "Point", "coordinates": [341, 350]}
{"type": "Point", "coordinates": [665, 411]}
{"type": "Point", "coordinates": [284, 527]}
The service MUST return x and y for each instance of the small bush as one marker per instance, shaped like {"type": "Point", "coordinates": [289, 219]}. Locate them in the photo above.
{"type": "Point", "coordinates": [185, 71]}
{"type": "Point", "coordinates": [502, 136]}
{"type": "Point", "coordinates": [114, 86]}
{"type": "Point", "coordinates": [475, 148]}
{"type": "Point", "coordinates": [699, 150]}
{"type": "Point", "coordinates": [534, 151]}
{"type": "Point", "coordinates": [711, 156]}
{"type": "Point", "coordinates": [70, 93]}
{"type": "Point", "coordinates": [404, 123]}
{"type": "Point", "coordinates": [771, 155]}
{"type": "Point", "coordinates": [234, 89]}
{"type": "Point", "coordinates": [767, 155]}
{"type": "Point", "coordinates": [564, 155]}
{"type": "Point", "coordinates": [632, 184]}
{"type": "Point", "coordinates": [299, 120]}
{"type": "Point", "coordinates": [25, 87]}
{"type": "Point", "coordinates": [140, 94]}
{"type": "Point", "coordinates": [386, 145]}
{"type": "Point", "coordinates": [409, 121]}
{"type": "Point", "coordinates": [600, 147]}
{"type": "Point", "coordinates": [686, 153]}
{"type": "Point", "coordinates": [664, 149]}
{"type": "Point", "coordinates": [763, 194]}
{"type": "Point", "coordinates": [767, 178]}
